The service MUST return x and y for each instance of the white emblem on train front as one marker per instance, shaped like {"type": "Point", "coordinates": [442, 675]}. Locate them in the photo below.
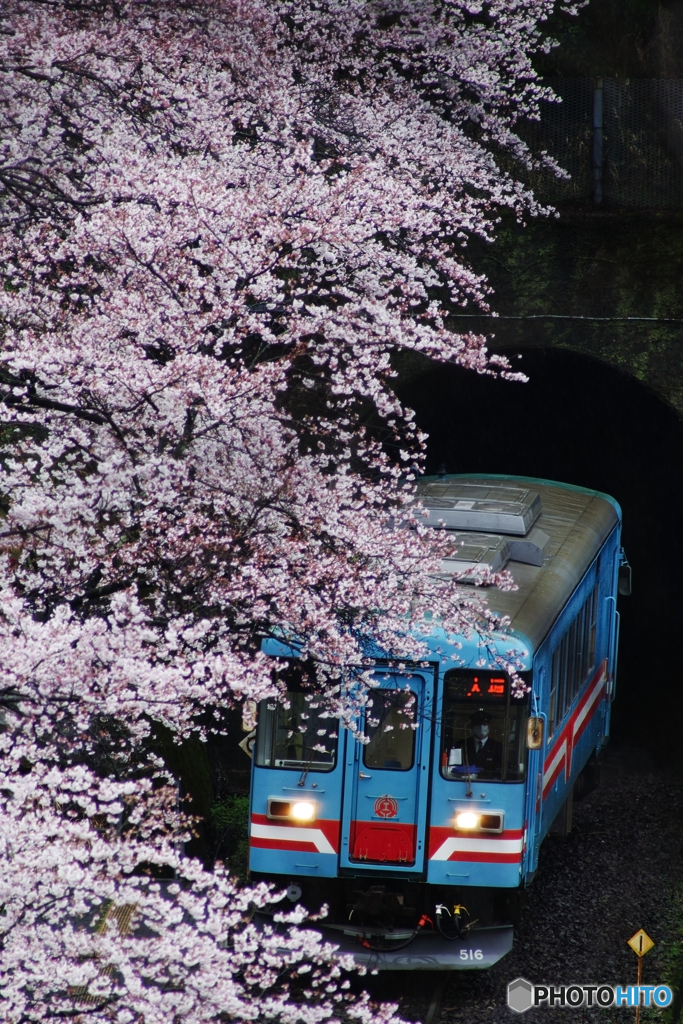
{"type": "Point", "coordinates": [386, 807]}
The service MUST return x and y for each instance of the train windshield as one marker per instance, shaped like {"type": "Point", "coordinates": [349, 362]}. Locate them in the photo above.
{"type": "Point", "coordinates": [297, 735]}
{"type": "Point", "coordinates": [484, 727]}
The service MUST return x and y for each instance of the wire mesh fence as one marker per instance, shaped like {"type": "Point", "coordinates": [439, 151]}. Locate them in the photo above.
{"type": "Point", "coordinates": [565, 132]}
{"type": "Point", "coordinates": [640, 161]}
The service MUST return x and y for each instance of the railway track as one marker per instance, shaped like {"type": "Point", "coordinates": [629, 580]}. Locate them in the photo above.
{"type": "Point", "coordinates": [620, 869]}
{"type": "Point", "coordinates": [433, 1015]}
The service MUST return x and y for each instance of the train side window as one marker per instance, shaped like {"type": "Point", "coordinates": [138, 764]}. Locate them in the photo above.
{"type": "Point", "coordinates": [572, 663]}
{"type": "Point", "coordinates": [580, 659]}
{"type": "Point", "coordinates": [554, 683]}
{"type": "Point", "coordinates": [562, 694]}
{"type": "Point", "coordinates": [587, 664]}
{"type": "Point", "coordinates": [581, 656]}
{"type": "Point", "coordinates": [593, 627]}
{"type": "Point", "coordinates": [389, 725]}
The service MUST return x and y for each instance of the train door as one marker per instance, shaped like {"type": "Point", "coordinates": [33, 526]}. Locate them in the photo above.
{"type": "Point", "coordinates": [387, 779]}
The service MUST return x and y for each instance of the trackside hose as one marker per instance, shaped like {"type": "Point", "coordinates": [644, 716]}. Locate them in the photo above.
{"type": "Point", "coordinates": [461, 929]}
{"type": "Point", "coordinates": [424, 920]}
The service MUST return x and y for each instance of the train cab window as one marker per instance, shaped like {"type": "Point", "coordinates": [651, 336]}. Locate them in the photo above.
{"type": "Point", "coordinates": [483, 727]}
{"type": "Point", "coordinates": [297, 734]}
{"type": "Point", "coordinates": [390, 727]}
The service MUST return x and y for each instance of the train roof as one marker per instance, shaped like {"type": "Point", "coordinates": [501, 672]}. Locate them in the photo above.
{"type": "Point", "coordinates": [513, 522]}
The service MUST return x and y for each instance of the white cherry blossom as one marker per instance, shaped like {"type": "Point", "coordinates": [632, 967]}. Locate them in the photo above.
{"type": "Point", "coordinates": [223, 222]}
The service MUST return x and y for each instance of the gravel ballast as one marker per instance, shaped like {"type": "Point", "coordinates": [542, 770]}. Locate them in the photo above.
{"type": "Point", "coordinates": [619, 870]}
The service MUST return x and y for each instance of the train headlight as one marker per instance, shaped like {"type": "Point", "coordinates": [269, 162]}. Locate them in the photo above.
{"type": "Point", "coordinates": [303, 810]}
{"type": "Point", "coordinates": [483, 821]}
{"type": "Point", "coordinates": [466, 820]}
{"type": "Point", "coordinates": [291, 810]}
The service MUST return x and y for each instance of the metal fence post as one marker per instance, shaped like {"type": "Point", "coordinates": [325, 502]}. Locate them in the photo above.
{"type": "Point", "coordinates": [598, 155]}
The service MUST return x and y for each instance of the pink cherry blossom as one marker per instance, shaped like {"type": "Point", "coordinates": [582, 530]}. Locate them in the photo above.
{"type": "Point", "coordinates": [222, 222]}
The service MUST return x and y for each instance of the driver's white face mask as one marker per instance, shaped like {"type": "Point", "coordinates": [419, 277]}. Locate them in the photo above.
{"type": "Point", "coordinates": [481, 731]}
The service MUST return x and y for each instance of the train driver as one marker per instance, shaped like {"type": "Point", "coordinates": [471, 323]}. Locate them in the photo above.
{"type": "Point", "coordinates": [482, 750]}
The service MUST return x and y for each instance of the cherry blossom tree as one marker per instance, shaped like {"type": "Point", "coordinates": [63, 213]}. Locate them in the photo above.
{"type": "Point", "coordinates": [221, 220]}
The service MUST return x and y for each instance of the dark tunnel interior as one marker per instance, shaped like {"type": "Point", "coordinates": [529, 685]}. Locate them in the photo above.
{"type": "Point", "coordinates": [583, 422]}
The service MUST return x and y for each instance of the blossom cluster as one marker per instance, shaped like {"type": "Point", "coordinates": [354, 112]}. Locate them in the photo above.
{"type": "Point", "coordinates": [222, 220]}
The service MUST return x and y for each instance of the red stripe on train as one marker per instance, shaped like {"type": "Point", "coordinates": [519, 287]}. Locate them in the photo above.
{"type": "Point", "coordinates": [449, 844]}
{"type": "Point", "coordinates": [561, 752]}
{"type": "Point", "coordinates": [272, 834]}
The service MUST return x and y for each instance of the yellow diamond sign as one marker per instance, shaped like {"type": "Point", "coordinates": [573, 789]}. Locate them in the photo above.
{"type": "Point", "coordinates": [641, 943]}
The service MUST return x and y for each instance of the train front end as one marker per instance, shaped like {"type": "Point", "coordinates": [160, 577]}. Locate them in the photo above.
{"type": "Point", "coordinates": [414, 845]}
{"type": "Point", "coordinates": [421, 837]}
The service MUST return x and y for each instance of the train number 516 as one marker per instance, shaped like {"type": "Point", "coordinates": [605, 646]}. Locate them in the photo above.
{"type": "Point", "coordinates": [471, 954]}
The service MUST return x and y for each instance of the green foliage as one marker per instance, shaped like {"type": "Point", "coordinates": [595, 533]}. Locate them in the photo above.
{"type": "Point", "coordinates": [616, 39]}
{"type": "Point", "coordinates": [671, 963]}
{"type": "Point", "coordinates": [229, 821]}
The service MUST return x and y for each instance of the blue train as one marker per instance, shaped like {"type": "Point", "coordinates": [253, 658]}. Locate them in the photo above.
{"type": "Point", "coordinates": [422, 840]}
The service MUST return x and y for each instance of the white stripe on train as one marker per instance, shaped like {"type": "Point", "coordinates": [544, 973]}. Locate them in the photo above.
{"type": "Point", "coordinates": [293, 835]}
{"type": "Point", "coordinates": [457, 844]}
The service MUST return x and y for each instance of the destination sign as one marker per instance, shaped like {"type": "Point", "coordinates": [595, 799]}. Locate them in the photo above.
{"type": "Point", "coordinates": [469, 684]}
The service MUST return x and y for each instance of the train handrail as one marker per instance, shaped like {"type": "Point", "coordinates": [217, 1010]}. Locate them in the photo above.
{"type": "Point", "coordinates": [536, 787]}
{"type": "Point", "coordinates": [538, 793]}
{"type": "Point", "coordinates": [616, 654]}
{"type": "Point", "coordinates": [613, 646]}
